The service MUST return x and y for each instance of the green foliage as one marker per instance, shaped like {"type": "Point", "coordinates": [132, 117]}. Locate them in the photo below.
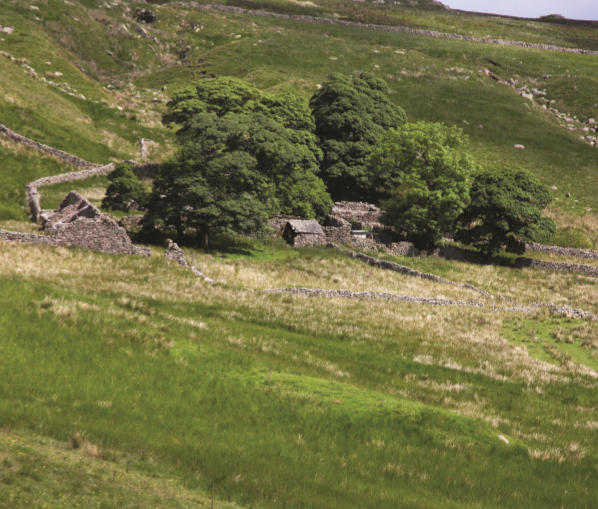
{"type": "Point", "coordinates": [351, 115]}
{"type": "Point", "coordinates": [220, 96]}
{"type": "Point", "coordinates": [211, 186]}
{"type": "Point", "coordinates": [226, 95]}
{"type": "Point", "coordinates": [124, 188]}
{"type": "Point", "coordinates": [233, 172]}
{"type": "Point", "coordinates": [266, 142]}
{"type": "Point", "coordinates": [505, 211]}
{"type": "Point", "coordinates": [430, 173]}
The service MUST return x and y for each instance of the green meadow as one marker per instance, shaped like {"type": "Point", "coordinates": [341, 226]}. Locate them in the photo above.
{"type": "Point", "coordinates": [128, 382]}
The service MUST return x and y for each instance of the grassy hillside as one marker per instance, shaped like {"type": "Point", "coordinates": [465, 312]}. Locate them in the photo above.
{"type": "Point", "coordinates": [36, 471]}
{"type": "Point", "coordinates": [129, 382]}
{"type": "Point", "coordinates": [434, 79]}
{"type": "Point", "coordinates": [305, 402]}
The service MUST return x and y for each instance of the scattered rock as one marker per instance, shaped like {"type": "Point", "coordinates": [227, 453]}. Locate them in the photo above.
{"type": "Point", "coordinates": [34, 8]}
{"type": "Point", "coordinates": [140, 30]}
{"type": "Point", "coordinates": [592, 121]}
{"type": "Point", "coordinates": [518, 146]}
{"type": "Point", "coordinates": [145, 16]}
{"type": "Point", "coordinates": [6, 30]}
{"type": "Point", "coordinates": [480, 127]}
{"type": "Point", "coordinates": [553, 188]}
{"type": "Point", "coordinates": [503, 439]}
{"type": "Point", "coordinates": [109, 53]}
{"type": "Point", "coordinates": [568, 195]}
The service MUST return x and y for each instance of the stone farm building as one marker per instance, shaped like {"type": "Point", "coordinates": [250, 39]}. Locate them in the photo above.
{"type": "Point", "coordinates": [298, 232]}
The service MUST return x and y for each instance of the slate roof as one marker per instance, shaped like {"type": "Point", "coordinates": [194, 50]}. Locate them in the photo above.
{"type": "Point", "coordinates": [306, 226]}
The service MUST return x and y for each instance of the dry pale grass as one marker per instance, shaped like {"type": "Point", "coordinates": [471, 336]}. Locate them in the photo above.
{"type": "Point", "coordinates": [464, 339]}
{"type": "Point", "coordinates": [80, 441]}
{"type": "Point", "coordinates": [19, 226]}
{"type": "Point", "coordinates": [587, 223]}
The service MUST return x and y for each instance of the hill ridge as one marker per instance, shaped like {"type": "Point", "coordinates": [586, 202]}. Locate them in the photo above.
{"type": "Point", "coordinates": [386, 28]}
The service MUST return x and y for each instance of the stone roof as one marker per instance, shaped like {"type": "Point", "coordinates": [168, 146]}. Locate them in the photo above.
{"type": "Point", "coordinates": [306, 226]}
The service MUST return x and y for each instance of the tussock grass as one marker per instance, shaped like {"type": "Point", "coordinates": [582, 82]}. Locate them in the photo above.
{"type": "Point", "coordinates": [226, 384]}
{"type": "Point", "coordinates": [36, 469]}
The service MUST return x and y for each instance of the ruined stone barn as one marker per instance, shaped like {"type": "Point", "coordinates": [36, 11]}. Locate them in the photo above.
{"type": "Point", "coordinates": [78, 223]}
{"type": "Point", "coordinates": [299, 232]}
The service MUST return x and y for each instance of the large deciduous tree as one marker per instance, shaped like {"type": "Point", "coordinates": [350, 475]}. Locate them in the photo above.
{"type": "Point", "coordinates": [505, 212]}
{"type": "Point", "coordinates": [226, 95]}
{"type": "Point", "coordinates": [427, 173]}
{"type": "Point", "coordinates": [351, 115]}
{"type": "Point", "coordinates": [231, 174]}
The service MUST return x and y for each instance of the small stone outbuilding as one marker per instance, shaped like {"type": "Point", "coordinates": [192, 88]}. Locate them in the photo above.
{"type": "Point", "coordinates": [299, 232]}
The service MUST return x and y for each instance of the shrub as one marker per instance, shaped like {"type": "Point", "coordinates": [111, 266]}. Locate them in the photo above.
{"type": "Point", "coordinates": [505, 212]}
{"type": "Point", "coordinates": [124, 190]}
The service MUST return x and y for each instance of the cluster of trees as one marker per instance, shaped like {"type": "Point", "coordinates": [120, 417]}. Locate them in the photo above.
{"type": "Point", "coordinates": [246, 155]}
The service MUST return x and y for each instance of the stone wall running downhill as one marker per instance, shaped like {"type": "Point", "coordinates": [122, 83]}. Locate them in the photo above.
{"type": "Point", "coordinates": [65, 156]}
{"type": "Point", "coordinates": [588, 254]}
{"type": "Point", "coordinates": [586, 270]}
{"type": "Point", "coordinates": [175, 253]}
{"type": "Point", "coordinates": [346, 294]}
{"type": "Point", "coordinates": [33, 197]}
{"type": "Point", "coordinates": [142, 149]}
{"type": "Point", "coordinates": [387, 28]}
{"type": "Point", "coordinates": [407, 271]}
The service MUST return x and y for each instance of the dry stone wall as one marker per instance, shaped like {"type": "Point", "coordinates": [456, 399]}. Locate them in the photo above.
{"type": "Point", "coordinates": [356, 211]}
{"type": "Point", "coordinates": [175, 253]}
{"type": "Point", "coordinates": [387, 28]}
{"type": "Point", "coordinates": [33, 197]}
{"type": "Point", "coordinates": [102, 235]}
{"type": "Point", "coordinates": [587, 270]}
{"type": "Point", "coordinates": [310, 292]}
{"type": "Point", "coordinates": [401, 269]}
{"type": "Point", "coordinates": [338, 234]}
{"type": "Point", "coordinates": [402, 249]}
{"type": "Point", "coordinates": [588, 254]}
{"type": "Point", "coordinates": [65, 156]}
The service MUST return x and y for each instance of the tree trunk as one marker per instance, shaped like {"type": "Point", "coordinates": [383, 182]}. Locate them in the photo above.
{"type": "Point", "coordinates": [203, 238]}
{"type": "Point", "coordinates": [180, 233]}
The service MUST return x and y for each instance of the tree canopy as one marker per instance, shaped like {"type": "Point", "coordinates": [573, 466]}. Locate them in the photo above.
{"type": "Point", "coordinates": [227, 95]}
{"type": "Point", "coordinates": [124, 189]}
{"type": "Point", "coordinates": [351, 115]}
{"type": "Point", "coordinates": [232, 173]}
{"type": "Point", "coordinates": [505, 212]}
{"type": "Point", "coordinates": [427, 173]}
